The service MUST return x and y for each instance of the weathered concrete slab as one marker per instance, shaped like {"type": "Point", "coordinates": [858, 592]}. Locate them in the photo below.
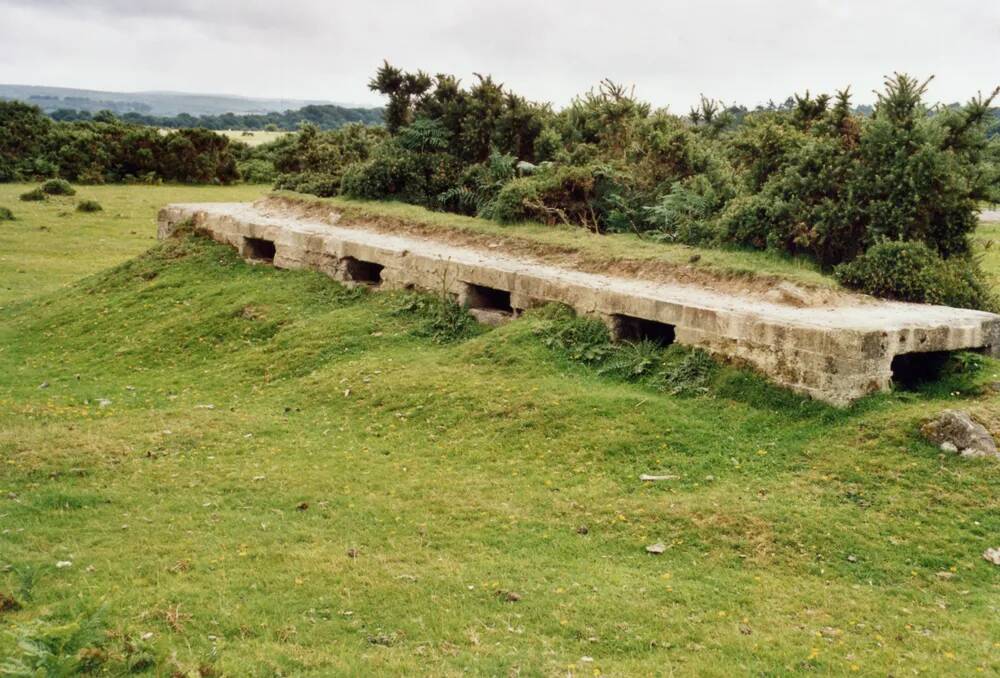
{"type": "Point", "coordinates": [836, 352]}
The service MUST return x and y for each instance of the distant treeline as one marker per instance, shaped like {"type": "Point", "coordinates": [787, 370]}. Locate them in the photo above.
{"type": "Point", "coordinates": [324, 117]}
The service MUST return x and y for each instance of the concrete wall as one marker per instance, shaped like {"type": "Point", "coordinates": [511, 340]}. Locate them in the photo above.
{"type": "Point", "coordinates": [835, 354]}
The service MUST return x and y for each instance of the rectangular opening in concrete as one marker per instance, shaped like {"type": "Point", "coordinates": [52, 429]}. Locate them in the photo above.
{"type": "Point", "coordinates": [363, 272]}
{"type": "Point", "coordinates": [487, 298]}
{"type": "Point", "coordinates": [259, 249]}
{"type": "Point", "coordinates": [628, 328]}
{"type": "Point", "coordinates": [912, 370]}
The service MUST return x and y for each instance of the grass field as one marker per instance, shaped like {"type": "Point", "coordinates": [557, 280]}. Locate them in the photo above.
{"type": "Point", "coordinates": [252, 137]}
{"type": "Point", "coordinates": [211, 468]}
{"type": "Point", "coordinates": [53, 244]}
{"type": "Point", "coordinates": [248, 137]}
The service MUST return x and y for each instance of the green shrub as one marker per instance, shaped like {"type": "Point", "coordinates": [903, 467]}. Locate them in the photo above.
{"type": "Point", "coordinates": [314, 162]}
{"type": "Point", "coordinates": [58, 187]}
{"type": "Point", "coordinates": [314, 183]}
{"type": "Point", "coordinates": [633, 360]}
{"type": "Point", "coordinates": [257, 171]}
{"type": "Point", "coordinates": [579, 338]}
{"type": "Point", "coordinates": [479, 185]}
{"type": "Point", "coordinates": [557, 194]}
{"type": "Point", "coordinates": [441, 319]}
{"type": "Point", "coordinates": [912, 271]}
{"type": "Point", "coordinates": [392, 173]}
{"type": "Point", "coordinates": [397, 173]}
{"type": "Point", "coordinates": [47, 647]}
{"type": "Point", "coordinates": [89, 206]}
{"type": "Point", "coordinates": [34, 195]}
{"type": "Point", "coordinates": [690, 375]}
{"type": "Point", "coordinates": [686, 213]}
{"type": "Point", "coordinates": [6, 214]}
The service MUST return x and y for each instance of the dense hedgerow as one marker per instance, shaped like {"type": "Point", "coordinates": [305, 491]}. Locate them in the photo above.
{"type": "Point", "coordinates": [812, 177]}
{"type": "Point", "coordinates": [105, 149]}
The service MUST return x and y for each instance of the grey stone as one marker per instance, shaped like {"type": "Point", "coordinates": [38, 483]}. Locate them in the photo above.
{"type": "Point", "coordinates": [835, 347]}
{"type": "Point", "coordinates": [957, 430]}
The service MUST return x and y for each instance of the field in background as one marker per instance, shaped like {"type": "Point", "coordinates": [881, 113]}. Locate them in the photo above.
{"type": "Point", "coordinates": [252, 137]}
{"type": "Point", "coordinates": [248, 137]}
{"type": "Point", "coordinates": [254, 471]}
{"type": "Point", "coordinates": [52, 244]}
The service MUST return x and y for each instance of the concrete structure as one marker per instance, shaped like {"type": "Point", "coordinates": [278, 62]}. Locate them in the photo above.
{"type": "Point", "coordinates": [835, 352]}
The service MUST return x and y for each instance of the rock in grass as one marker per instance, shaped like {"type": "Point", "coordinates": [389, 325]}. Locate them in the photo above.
{"type": "Point", "coordinates": [656, 549]}
{"type": "Point", "coordinates": [992, 555]}
{"type": "Point", "coordinates": [956, 429]}
{"type": "Point", "coordinates": [647, 478]}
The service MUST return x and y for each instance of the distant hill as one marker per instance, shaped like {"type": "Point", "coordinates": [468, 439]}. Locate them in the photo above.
{"type": "Point", "coordinates": [166, 104]}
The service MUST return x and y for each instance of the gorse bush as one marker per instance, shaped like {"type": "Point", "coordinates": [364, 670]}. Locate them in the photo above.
{"type": "Point", "coordinates": [6, 214]}
{"type": "Point", "coordinates": [912, 271]}
{"type": "Point", "coordinates": [811, 177]}
{"type": "Point", "coordinates": [89, 206]}
{"type": "Point", "coordinates": [34, 195]}
{"type": "Point", "coordinates": [58, 187]}
{"type": "Point", "coordinates": [314, 162]}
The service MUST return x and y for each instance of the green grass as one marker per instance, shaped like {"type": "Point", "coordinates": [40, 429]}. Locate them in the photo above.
{"type": "Point", "coordinates": [253, 137]}
{"type": "Point", "coordinates": [215, 441]}
{"type": "Point", "coordinates": [51, 244]}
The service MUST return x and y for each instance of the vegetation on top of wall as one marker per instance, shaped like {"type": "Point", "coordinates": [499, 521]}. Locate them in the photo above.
{"type": "Point", "coordinates": [813, 177]}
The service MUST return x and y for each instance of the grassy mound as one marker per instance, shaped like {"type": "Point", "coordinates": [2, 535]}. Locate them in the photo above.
{"type": "Point", "coordinates": [217, 467]}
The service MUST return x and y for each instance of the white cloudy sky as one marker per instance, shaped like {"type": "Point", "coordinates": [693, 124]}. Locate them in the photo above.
{"type": "Point", "coordinates": [549, 50]}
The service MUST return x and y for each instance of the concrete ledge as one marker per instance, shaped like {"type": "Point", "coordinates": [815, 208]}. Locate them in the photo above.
{"type": "Point", "coordinates": [836, 353]}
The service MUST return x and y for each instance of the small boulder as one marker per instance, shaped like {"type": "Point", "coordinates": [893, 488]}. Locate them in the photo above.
{"type": "Point", "coordinates": [956, 429]}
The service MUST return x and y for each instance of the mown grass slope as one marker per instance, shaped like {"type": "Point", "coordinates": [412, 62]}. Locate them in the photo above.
{"type": "Point", "coordinates": [259, 472]}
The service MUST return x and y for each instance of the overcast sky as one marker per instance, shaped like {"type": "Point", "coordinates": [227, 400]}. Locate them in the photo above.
{"type": "Point", "coordinates": [549, 50]}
